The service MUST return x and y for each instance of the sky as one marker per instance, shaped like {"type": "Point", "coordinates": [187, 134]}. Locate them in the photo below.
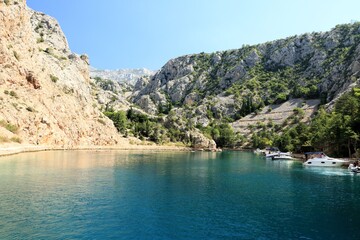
{"type": "Point", "coordinates": [119, 34]}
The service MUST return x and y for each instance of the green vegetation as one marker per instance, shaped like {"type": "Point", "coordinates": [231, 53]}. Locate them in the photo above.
{"type": "Point", "coordinates": [11, 93]}
{"type": "Point", "coordinates": [39, 26]}
{"type": "Point", "coordinates": [40, 40]}
{"type": "Point", "coordinates": [10, 127]}
{"type": "Point", "coordinates": [51, 52]}
{"type": "Point", "coordinates": [255, 82]}
{"type": "Point", "coordinates": [170, 129]}
{"type": "Point", "coordinates": [337, 132]}
{"type": "Point", "coordinates": [4, 139]}
{"type": "Point", "coordinates": [68, 90]}
{"type": "Point", "coordinates": [16, 55]}
{"type": "Point", "coordinates": [101, 121]}
{"type": "Point", "coordinates": [222, 134]}
{"type": "Point", "coordinates": [255, 77]}
{"type": "Point", "coordinates": [16, 139]}
{"type": "Point", "coordinates": [30, 109]}
{"type": "Point", "coordinates": [54, 78]}
{"type": "Point", "coordinates": [138, 124]}
{"type": "Point", "coordinates": [105, 84]}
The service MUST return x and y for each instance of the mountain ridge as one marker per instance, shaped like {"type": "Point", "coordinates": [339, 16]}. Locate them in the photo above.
{"type": "Point", "coordinates": [316, 65]}
{"type": "Point", "coordinates": [129, 76]}
{"type": "Point", "coordinates": [48, 97]}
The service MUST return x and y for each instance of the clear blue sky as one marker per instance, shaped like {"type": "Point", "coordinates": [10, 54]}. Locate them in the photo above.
{"type": "Point", "coordinates": [147, 33]}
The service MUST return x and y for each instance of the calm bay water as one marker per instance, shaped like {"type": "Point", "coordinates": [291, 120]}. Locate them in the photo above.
{"type": "Point", "coordinates": [128, 195]}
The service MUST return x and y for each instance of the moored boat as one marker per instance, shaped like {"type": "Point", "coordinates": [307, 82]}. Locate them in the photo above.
{"type": "Point", "coordinates": [320, 159]}
{"type": "Point", "coordinates": [354, 167]}
{"type": "Point", "coordinates": [283, 156]}
{"type": "Point", "coordinates": [271, 152]}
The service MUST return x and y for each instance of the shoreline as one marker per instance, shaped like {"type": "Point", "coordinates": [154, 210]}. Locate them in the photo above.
{"type": "Point", "coordinates": [7, 150]}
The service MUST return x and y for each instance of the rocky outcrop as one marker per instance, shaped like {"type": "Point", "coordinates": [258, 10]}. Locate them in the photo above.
{"type": "Point", "coordinates": [234, 83]}
{"type": "Point", "coordinates": [45, 91]}
{"type": "Point", "coordinates": [110, 94]}
{"type": "Point", "coordinates": [199, 141]}
{"type": "Point", "coordinates": [32, 80]}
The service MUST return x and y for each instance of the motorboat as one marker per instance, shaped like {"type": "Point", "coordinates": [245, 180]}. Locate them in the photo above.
{"type": "Point", "coordinates": [353, 168]}
{"type": "Point", "coordinates": [320, 159]}
{"type": "Point", "coordinates": [283, 156]}
{"type": "Point", "coordinates": [271, 152]}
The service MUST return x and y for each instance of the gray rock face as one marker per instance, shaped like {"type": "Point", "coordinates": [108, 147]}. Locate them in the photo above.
{"type": "Point", "coordinates": [330, 60]}
{"type": "Point", "coordinates": [201, 142]}
{"type": "Point", "coordinates": [130, 76]}
{"type": "Point", "coordinates": [49, 31]}
{"type": "Point", "coordinates": [147, 104]}
{"type": "Point", "coordinates": [224, 106]}
{"type": "Point", "coordinates": [110, 94]}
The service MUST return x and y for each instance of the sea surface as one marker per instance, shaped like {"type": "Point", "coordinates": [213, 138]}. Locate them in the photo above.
{"type": "Point", "coordinates": [173, 195]}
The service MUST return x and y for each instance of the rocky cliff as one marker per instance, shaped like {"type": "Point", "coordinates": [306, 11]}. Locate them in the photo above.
{"type": "Point", "coordinates": [127, 76]}
{"type": "Point", "coordinates": [48, 98]}
{"type": "Point", "coordinates": [44, 88]}
{"type": "Point", "coordinates": [112, 87]}
{"type": "Point", "coordinates": [231, 84]}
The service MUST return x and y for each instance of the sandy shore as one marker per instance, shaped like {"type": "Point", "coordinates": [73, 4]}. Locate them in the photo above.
{"type": "Point", "coordinates": [10, 149]}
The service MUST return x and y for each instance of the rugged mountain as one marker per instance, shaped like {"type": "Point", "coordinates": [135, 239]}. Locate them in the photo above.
{"type": "Point", "coordinates": [48, 97]}
{"type": "Point", "coordinates": [110, 94]}
{"type": "Point", "coordinates": [229, 85]}
{"type": "Point", "coordinates": [45, 91]}
{"type": "Point", "coordinates": [112, 87]}
{"type": "Point", "coordinates": [129, 76]}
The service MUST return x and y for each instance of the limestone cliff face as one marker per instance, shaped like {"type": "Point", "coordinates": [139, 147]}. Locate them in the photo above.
{"type": "Point", "coordinates": [234, 83]}
{"type": "Point", "coordinates": [44, 87]}
{"type": "Point", "coordinates": [125, 76]}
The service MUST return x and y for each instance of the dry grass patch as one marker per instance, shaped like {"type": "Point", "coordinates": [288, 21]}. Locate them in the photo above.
{"type": "Point", "coordinates": [8, 126]}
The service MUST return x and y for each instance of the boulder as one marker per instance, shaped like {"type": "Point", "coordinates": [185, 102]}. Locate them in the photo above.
{"type": "Point", "coordinates": [199, 141]}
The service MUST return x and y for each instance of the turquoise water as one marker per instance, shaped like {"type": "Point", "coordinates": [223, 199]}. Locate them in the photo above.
{"type": "Point", "coordinates": [127, 195]}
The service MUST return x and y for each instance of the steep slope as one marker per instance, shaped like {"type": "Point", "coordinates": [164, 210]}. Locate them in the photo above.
{"type": "Point", "coordinates": [112, 87]}
{"type": "Point", "coordinates": [231, 84]}
{"type": "Point", "coordinates": [276, 114]}
{"type": "Point", "coordinates": [44, 87]}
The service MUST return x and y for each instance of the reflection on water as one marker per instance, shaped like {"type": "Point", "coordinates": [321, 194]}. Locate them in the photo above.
{"type": "Point", "coordinates": [88, 159]}
{"type": "Point", "coordinates": [283, 163]}
{"type": "Point", "coordinates": [329, 171]}
{"type": "Point", "coordinates": [173, 195]}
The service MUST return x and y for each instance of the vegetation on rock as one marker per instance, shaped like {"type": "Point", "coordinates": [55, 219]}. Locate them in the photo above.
{"type": "Point", "coordinates": [336, 132]}
{"type": "Point", "coordinates": [212, 90]}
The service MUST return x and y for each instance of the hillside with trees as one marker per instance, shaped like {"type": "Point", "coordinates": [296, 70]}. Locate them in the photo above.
{"type": "Point", "coordinates": [210, 92]}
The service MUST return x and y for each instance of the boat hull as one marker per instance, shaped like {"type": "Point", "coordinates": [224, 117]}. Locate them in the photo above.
{"type": "Point", "coordinates": [271, 155]}
{"type": "Point", "coordinates": [325, 162]}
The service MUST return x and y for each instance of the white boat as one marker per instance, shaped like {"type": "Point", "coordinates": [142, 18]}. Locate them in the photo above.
{"type": "Point", "coordinates": [353, 168]}
{"type": "Point", "coordinates": [319, 159]}
{"type": "Point", "coordinates": [283, 156]}
{"type": "Point", "coordinates": [271, 152]}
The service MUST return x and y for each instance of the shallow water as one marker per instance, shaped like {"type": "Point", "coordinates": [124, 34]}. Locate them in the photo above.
{"type": "Point", "coordinates": [201, 195]}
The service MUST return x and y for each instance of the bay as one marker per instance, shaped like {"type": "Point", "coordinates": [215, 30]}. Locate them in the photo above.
{"type": "Point", "coordinates": [173, 195]}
